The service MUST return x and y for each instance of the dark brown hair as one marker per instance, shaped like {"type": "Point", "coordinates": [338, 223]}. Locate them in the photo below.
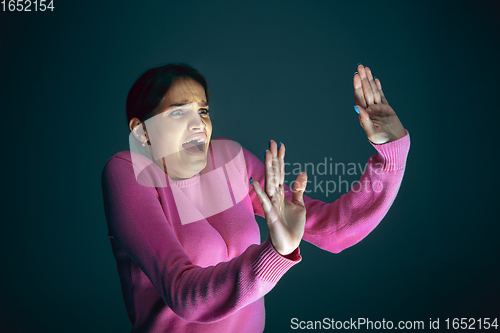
{"type": "Point", "coordinates": [148, 91]}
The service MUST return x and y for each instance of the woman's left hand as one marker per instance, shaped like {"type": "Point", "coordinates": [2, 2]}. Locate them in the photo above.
{"type": "Point", "coordinates": [377, 118]}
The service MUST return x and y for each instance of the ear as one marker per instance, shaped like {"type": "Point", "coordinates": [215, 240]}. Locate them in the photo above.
{"type": "Point", "coordinates": [137, 129]}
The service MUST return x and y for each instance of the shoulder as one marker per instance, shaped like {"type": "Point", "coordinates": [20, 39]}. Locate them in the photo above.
{"type": "Point", "coordinates": [135, 167]}
{"type": "Point", "coordinates": [119, 158]}
{"type": "Point", "coordinates": [223, 150]}
{"type": "Point", "coordinates": [231, 152]}
{"type": "Point", "coordinates": [119, 164]}
{"type": "Point", "coordinates": [120, 161]}
{"type": "Point", "coordinates": [127, 158]}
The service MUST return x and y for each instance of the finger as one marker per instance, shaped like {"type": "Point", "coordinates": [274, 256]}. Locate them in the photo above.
{"type": "Point", "coordinates": [275, 166]}
{"type": "Point", "coordinates": [367, 89]}
{"type": "Point", "coordinates": [269, 171]}
{"type": "Point", "coordinates": [279, 199]}
{"type": "Point", "coordinates": [380, 91]}
{"type": "Point", "coordinates": [281, 158]}
{"type": "Point", "coordinates": [359, 97]}
{"type": "Point", "coordinates": [263, 198]}
{"type": "Point", "coordinates": [298, 189]}
{"type": "Point", "coordinates": [376, 94]}
{"type": "Point", "coordinates": [366, 122]}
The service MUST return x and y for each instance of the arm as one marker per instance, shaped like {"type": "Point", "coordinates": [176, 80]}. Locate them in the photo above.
{"type": "Point", "coordinates": [349, 219]}
{"type": "Point", "coordinates": [343, 223]}
{"type": "Point", "coordinates": [138, 223]}
{"type": "Point", "coordinates": [338, 225]}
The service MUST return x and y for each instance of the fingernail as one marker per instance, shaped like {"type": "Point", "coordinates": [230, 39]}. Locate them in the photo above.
{"type": "Point", "coordinates": [251, 183]}
{"type": "Point", "coordinates": [279, 146]}
{"type": "Point", "coordinates": [265, 152]}
{"type": "Point", "coordinates": [355, 73]}
{"type": "Point", "coordinates": [269, 143]}
{"type": "Point", "coordinates": [356, 109]}
{"type": "Point", "coordinates": [359, 63]}
{"type": "Point", "coordinates": [374, 77]}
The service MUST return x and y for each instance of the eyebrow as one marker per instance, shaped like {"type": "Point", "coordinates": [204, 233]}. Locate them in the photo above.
{"type": "Point", "coordinates": [205, 104]}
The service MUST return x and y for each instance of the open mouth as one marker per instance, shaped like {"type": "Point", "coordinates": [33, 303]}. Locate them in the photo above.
{"type": "Point", "coordinates": [194, 146]}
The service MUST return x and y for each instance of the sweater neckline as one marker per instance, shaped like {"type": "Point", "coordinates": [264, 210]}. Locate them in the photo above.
{"type": "Point", "coordinates": [186, 182]}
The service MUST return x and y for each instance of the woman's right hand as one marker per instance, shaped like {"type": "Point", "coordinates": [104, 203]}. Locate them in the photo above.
{"type": "Point", "coordinates": [285, 219]}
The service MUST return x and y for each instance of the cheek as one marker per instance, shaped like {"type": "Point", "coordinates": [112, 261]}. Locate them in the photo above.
{"type": "Point", "coordinates": [169, 142]}
{"type": "Point", "coordinates": [208, 125]}
{"type": "Point", "coordinates": [172, 132]}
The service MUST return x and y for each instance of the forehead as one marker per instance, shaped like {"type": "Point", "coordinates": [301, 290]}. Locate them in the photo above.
{"type": "Point", "coordinates": [184, 91]}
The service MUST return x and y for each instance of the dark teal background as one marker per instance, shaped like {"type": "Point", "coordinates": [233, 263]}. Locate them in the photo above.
{"type": "Point", "coordinates": [276, 70]}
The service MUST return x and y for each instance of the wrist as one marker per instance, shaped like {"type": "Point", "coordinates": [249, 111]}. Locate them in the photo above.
{"type": "Point", "coordinates": [393, 154]}
{"type": "Point", "coordinates": [282, 252]}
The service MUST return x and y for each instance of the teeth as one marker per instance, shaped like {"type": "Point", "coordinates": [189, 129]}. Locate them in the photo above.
{"type": "Point", "coordinates": [199, 141]}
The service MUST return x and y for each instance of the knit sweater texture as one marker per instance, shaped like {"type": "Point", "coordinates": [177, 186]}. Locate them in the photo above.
{"type": "Point", "coordinates": [188, 252]}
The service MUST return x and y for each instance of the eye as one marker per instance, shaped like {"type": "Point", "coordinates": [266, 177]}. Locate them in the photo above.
{"type": "Point", "coordinates": [176, 112]}
{"type": "Point", "coordinates": [204, 111]}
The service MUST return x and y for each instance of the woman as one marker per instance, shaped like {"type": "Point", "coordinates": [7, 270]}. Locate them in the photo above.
{"type": "Point", "coordinates": [181, 211]}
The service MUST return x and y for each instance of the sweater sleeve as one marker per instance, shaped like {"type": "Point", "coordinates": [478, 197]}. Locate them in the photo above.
{"type": "Point", "coordinates": [346, 221]}
{"type": "Point", "coordinates": [138, 224]}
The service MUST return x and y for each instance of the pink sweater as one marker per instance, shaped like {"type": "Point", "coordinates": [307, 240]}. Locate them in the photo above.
{"type": "Point", "coordinates": [188, 252]}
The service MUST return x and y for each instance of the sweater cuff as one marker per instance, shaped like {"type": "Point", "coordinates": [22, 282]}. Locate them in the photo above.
{"type": "Point", "coordinates": [394, 153]}
{"type": "Point", "coordinates": [269, 265]}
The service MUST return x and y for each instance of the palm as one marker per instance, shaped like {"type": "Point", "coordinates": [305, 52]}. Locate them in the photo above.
{"type": "Point", "coordinates": [285, 219]}
{"type": "Point", "coordinates": [293, 219]}
{"type": "Point", "coordinates": [377, 118]}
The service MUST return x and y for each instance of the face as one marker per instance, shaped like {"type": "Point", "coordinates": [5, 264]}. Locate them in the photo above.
{"type": "Point", "coordinates": [180, 130]}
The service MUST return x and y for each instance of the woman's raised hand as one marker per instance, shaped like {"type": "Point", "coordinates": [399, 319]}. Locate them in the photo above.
{"type": "Point", "coordinates": [285, 219]}
{"type": "Point", "coordinates": [377, 118]}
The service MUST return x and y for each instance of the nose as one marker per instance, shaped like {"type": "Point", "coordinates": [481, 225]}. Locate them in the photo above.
{"type": "Point", "coordinates": [195, 122]}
